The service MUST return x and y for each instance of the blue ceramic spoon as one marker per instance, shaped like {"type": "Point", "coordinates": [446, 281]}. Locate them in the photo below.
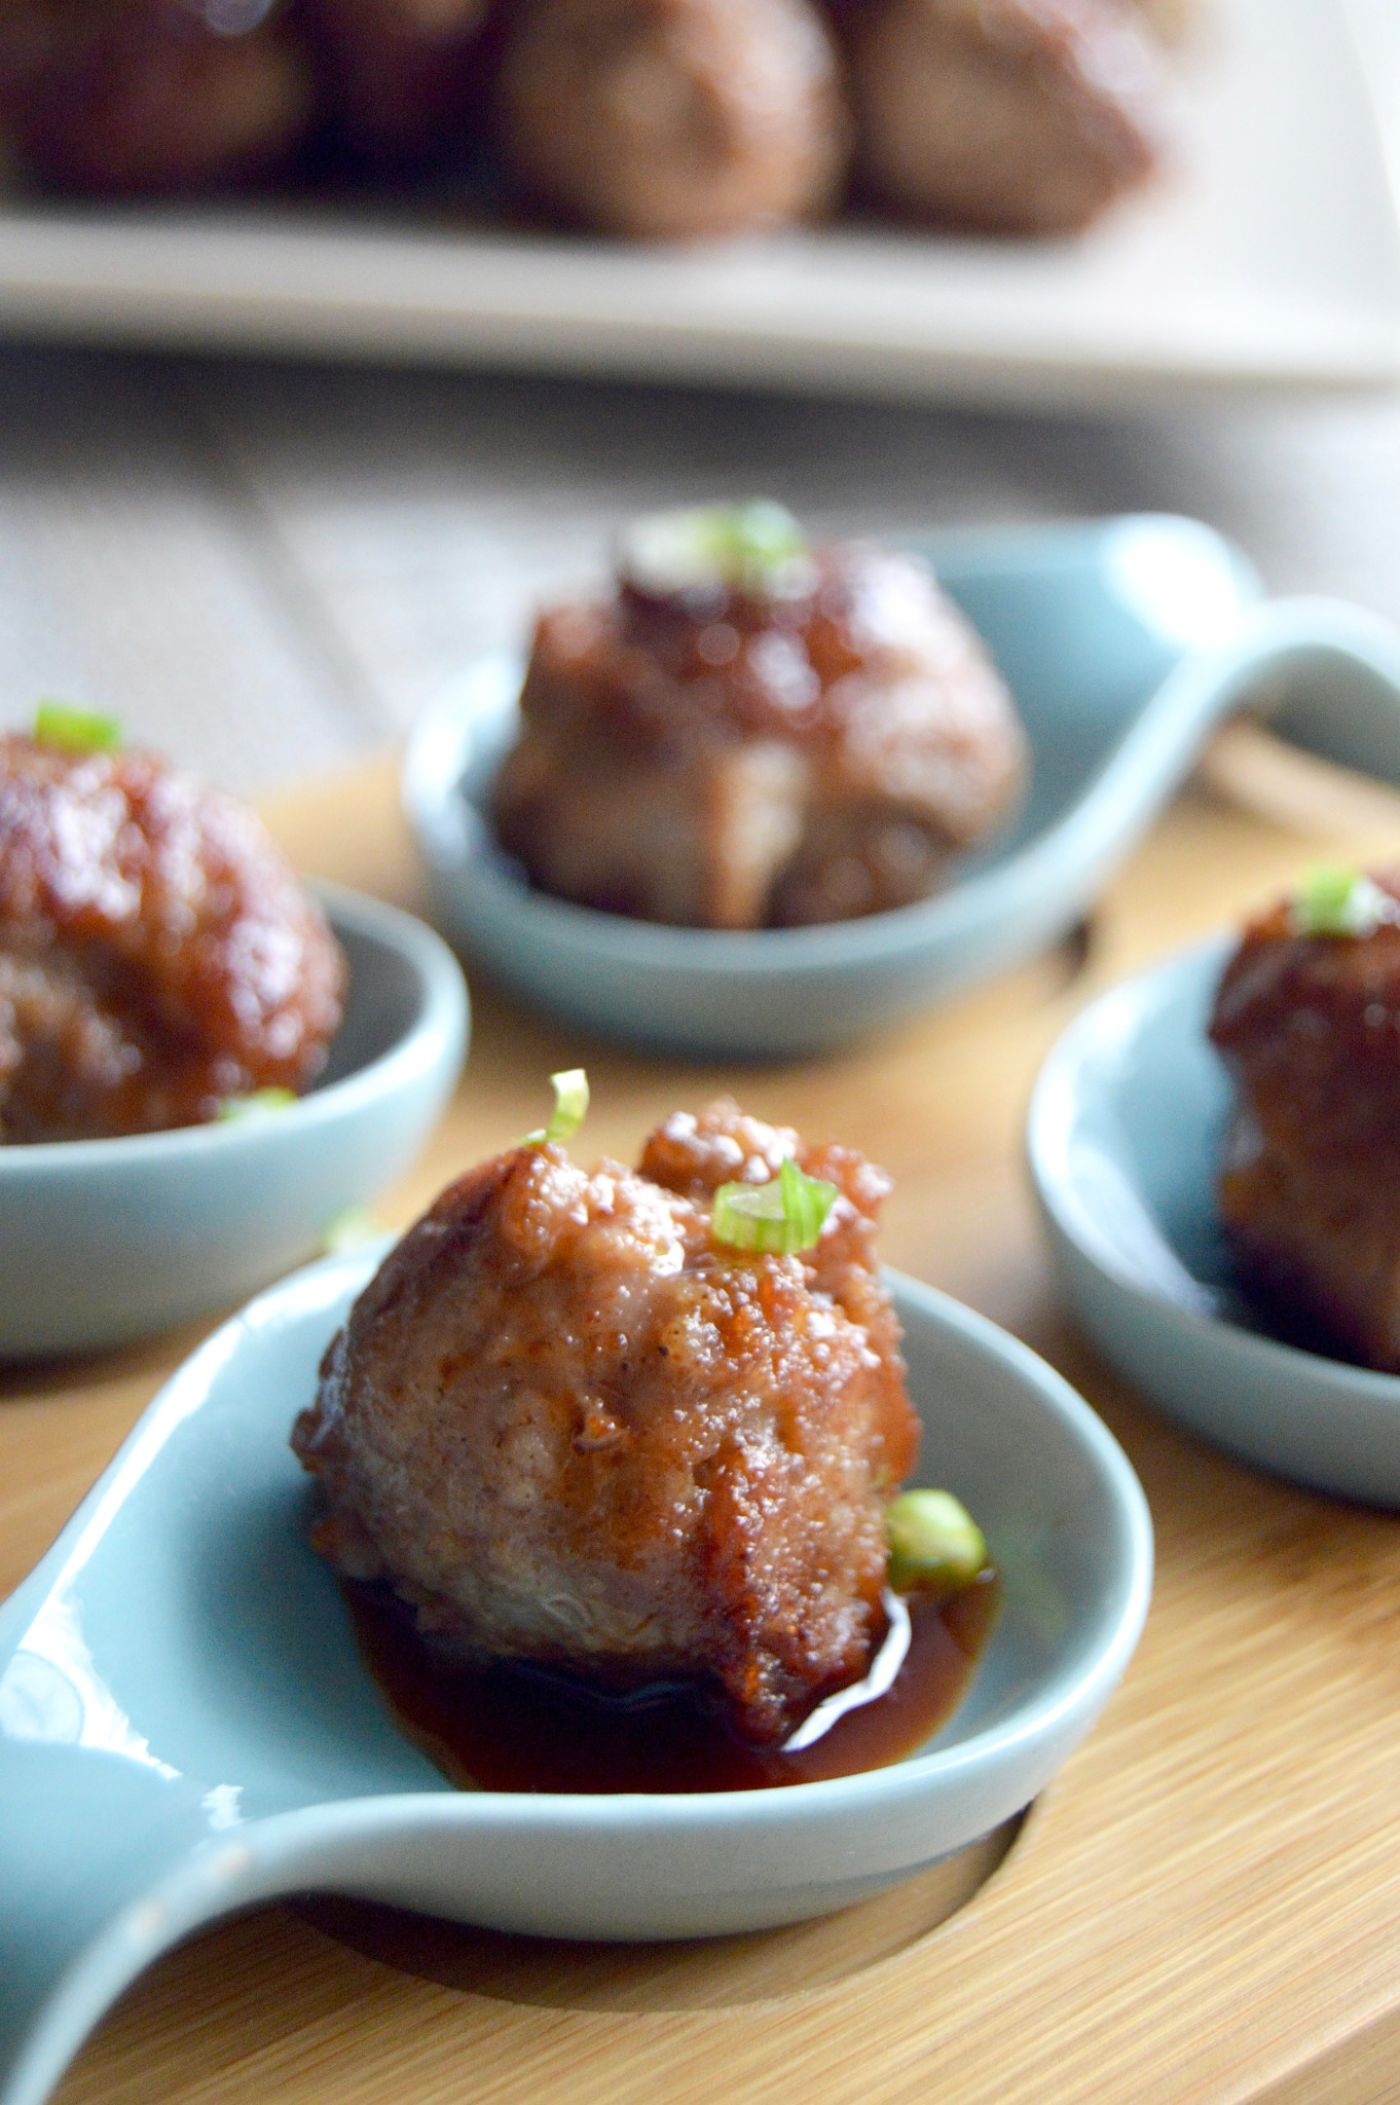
{"type": "Point", "coordinates": [1125, 644]}
{"type": "Point", "coordinates": [1126, 1132]}
{"type": "Point", "coordinates": [186, 1726]}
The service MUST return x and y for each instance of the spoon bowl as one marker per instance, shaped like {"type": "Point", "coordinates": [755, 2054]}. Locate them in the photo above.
{"type": "Point", "coordinates": [186, 1725]}
{"type": "Point", "coordinates": [1086, 623]}
{"type": "Point", "coordinates": [1124, 643]}
{"type": "Point", "coordinates": [1125, 1136]}
{"type": "Point", "coordinates": [161, 1227]}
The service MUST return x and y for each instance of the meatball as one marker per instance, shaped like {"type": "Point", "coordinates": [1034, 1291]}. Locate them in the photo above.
{"type": "Point", "coordinates": [667, 119]}
{"type": "Point", "coordinates": [405, 75]}
{"type": "Point", "coordinates": [157, 95]}
{"type": "Point", "coordinates": [1309, 1026]}
{"type": "Point", "coordinates": [1004, 116]}
{"type": "Point", "coordinates": [809, 742]}
{"type": "Point", "coordinates": [569, 1428]}
{"type": "Point", "coordinates": [157, 955]}
{"type": "Point", "coordinates": [26, 41]}
{"type": "Point", "coordinates": [1171, 19]}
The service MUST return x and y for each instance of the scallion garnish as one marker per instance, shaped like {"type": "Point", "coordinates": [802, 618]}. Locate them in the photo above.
{"type": "Point", "coordinates": [570, 1108]}
{"type": "Point", "coordinates": [779, 1218]}
{"type": "Point", "coordinates": [756, 547]}
{"type": "Point", "coordinates": [1334, 900]}
{"type": "Point", "coordinates": [349, 1230]}
{"type": "Point", "coordinates": [934, 1542]}
{"type": "Point", "coordinates": [234, 1108]}
{"type": "Point", "coordinates": [76, 730]}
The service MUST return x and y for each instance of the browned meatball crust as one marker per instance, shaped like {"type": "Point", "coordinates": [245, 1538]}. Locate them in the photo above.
{"type": "Point", "coordinates": [569, 1428]}
{"type": "Point", "coordinates": [1309, 1027]}
{"type": "Point", "coordinates": [1004, 116]}
{"type": "Point", "coordinates": [157, 95]}
{"type": "Point", "coordinates": [667, 119]}
{"type": "Point", "coordinates": [157, 954]}
{"type": "Point", "coordinates": [734, 760]}
{"type": "Point", "coordinates": [406, 76]}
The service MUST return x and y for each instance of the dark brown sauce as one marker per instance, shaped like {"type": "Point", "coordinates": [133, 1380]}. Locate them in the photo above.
{"type": "Point", "coordinates": [510, 1727]}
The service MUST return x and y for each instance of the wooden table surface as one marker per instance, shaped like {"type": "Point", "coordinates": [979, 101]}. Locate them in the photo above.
{"type": "Point", "coordinates": [1205, 1904]}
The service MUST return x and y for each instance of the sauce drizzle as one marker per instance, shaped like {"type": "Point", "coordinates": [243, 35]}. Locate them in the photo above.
{"type": "Point", "coordinates": [515, 1727]}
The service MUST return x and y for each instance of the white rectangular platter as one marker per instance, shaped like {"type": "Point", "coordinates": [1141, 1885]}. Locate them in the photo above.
{"type": "Point", "coordinates": [1268, 257]}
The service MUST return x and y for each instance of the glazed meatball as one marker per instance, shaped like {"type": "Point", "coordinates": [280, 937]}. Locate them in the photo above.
{"type": "Point", "coordinates": [158, 95]}
{"type": "Point", "coordinates": [672, 118]}
{"type": "Point", "coordinates": [157, 955]}
{"type": "Point", "coordinates": [811, 743]}
{"type": "Point", "coordinates": [569, 1428]}
{"type": "Point", "coordinates": [405, 75]}
{"type": "Point", "coordinates": [1004, 116]}
{"type": "Point", "coordinates": [1309, 1026]}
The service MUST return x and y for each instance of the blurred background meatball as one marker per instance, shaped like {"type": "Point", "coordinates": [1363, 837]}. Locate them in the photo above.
{"type": "Point", "coordinates": [1309, 1026]}
{"type": "Point", "coordinates": [655, 119]}
{"type": "Point", "coordinates": [159, 95]}
{"type": "Point", "coordinates": [673, 118]}
{"type": "Point", "coordinates": [1003, 116]}
{"type": "Point", "coordinates": [1172, 19]}
{"type": "Point", "coordinates": [404, 77]}
{"type": "Point", "coordinates": [157, 954]}
{"type": "Point", "coordinates": [809, 737]}
{"type": "Point", "coordinates": [571, 1428]}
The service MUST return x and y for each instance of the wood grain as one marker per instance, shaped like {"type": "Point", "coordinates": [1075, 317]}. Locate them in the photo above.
{"type": "Point", "coordinates": [267, 570]}
{"type": "Point", "coordinates": [1203, 1907]}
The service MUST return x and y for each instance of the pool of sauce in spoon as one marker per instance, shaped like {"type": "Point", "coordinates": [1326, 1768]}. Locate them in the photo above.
{"type": "Point", "coordinates": [514, 1727]}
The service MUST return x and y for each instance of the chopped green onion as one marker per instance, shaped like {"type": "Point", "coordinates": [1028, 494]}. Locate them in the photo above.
{"type": "Point", "coordinates": [746, 538]}
{"type": "Point", "coordinates": [77, 730]}
{"type": "Point", "coordinates": [1334, 900]}
{"type": "Point", "coordinates": [778, 1218]}
{"type": "Point", "coordinates": [570, 1108]}
{"type": "Point", "coordinates": [349, 1230]}
{"type": "Point", "coordinates": [934, 1542]}
{"type": "Point", "coordinates": [755, 547]}
{"type": "Point", "coordinates": [234, 1108]}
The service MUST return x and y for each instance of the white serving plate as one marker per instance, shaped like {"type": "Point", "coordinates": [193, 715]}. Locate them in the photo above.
{"type": "Point", "coordinates": [1269, 257]}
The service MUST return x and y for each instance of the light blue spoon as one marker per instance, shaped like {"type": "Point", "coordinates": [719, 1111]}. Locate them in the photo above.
{"type": "Point", "coordinates": [1125, 643]}
{"type": "Point", "coordinates": [186, 1726]}
{"type": "Point", "coordinates": [1125, 1134]}
{"type": "Point", "coordinates": [108, 1240]}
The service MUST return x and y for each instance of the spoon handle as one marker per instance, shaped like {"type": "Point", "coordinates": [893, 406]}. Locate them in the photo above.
{"type": "Point", "coordinates": [85, 1835]}
{"type": "Point", "coordinates": [1338, 694]}
{"type": "Point", "coordinates": [1324, 674]}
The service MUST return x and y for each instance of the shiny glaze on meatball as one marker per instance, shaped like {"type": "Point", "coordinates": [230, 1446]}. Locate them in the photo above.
{"type": "Point", "coordinates": [673, 118]}
{"type": "Point", "coordinates": [730, 760]}
{"type": "Point", "coordinates": [157, 955]}
{"type": "Point", "coordinates": [157, 95]}
{"type": "Point", "coordinates": [1309, 1027]}
{"type": "Point", "coordinates": [1004, 116]}
{"type": "Point", "coordinates": [570, 1428]}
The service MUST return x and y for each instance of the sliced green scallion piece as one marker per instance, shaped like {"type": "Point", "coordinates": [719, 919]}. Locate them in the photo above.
{"type": "Point", "coordinates": [233, 1109]}
{"type": "Point", "coordinates": [75, 730]}
{"type": "Point", "coordinates": [1335, 900]}
{"type": "Point", "coordinates": [779, 1218]}
{"type": "Point", "coordinates": [349, 1230]}
{"type": "Point", "coordinates": [756, 547]}
{"type": "Point", "coordinates": [934, 1542]}
{"type": "Point", "coordinates": [570, 1108]}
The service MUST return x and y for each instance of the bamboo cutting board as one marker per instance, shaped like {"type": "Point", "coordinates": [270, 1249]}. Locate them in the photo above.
{"type": "Point", "coordinates": [1206, 1904]}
